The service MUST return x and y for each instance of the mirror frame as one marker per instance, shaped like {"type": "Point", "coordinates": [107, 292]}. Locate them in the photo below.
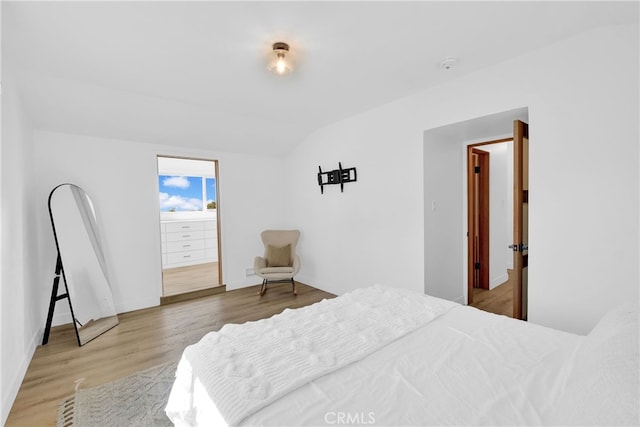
{"type": "Point", "coordinates": [92, 327]}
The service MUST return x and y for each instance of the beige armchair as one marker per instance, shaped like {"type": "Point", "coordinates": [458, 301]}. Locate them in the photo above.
{"type": "Point", "coordinates": [280, 261]}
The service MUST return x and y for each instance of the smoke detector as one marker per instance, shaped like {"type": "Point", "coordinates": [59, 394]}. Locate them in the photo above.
{"type": "Point", "coordinates": [448, 63]}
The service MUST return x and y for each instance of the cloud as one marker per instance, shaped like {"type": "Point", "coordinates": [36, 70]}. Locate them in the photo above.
{"type": "Point", "coordinates": [176, 181]}
{"type": "Point", "coordinates": [179, 203]}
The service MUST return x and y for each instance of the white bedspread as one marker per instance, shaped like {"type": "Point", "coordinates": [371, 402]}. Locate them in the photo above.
{"type": "Point", "coordinates": [465, 368]}
{"type": "Point", "coordinates": [233, 373]}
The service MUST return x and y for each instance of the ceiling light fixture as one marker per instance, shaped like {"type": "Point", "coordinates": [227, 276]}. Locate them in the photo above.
{"type": "Point", "coordinates": [280, 62]}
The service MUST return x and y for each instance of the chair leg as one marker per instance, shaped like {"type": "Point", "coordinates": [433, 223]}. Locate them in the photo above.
{"type": "Point", "coordinates": [263, 288]}
{"type": "Point", "coordinates": [293, 285]}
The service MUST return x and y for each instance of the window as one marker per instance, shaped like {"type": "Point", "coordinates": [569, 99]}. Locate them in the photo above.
{"type": "Point", "coordinates": [210, 193]}
{"type": "Point", "coordinates": [186, 193]}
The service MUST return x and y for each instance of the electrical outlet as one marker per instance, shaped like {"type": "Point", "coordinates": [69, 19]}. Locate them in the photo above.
{"type": "Point", "coordinates": [249, 272]}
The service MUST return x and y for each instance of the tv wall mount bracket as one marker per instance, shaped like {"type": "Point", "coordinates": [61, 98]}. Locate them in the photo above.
{"type": "Point", "coordinates": [336, 176]}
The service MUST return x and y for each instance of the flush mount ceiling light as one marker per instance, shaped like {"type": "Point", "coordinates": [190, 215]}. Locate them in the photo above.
{"type": "Point", "coordinates": [280, 60]}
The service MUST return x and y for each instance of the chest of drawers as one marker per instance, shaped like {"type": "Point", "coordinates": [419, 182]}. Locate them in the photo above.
{"type": "Point", "coordinates": [188, 242]}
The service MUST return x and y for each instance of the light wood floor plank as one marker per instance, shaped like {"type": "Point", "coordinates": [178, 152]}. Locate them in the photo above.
{"type": "Point", "coordinates": [143, 338]}
{"type": "Point", "coordinates": [498, 300]}
{"type": "Point", "coordinates": [189, 278]}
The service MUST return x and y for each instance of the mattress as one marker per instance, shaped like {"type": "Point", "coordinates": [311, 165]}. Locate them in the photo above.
{"type": "Point", "coordinates": [461, 366]}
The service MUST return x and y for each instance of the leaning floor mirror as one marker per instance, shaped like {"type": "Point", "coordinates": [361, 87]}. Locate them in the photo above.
{"type": "Point", "coordinates": [80, 264]}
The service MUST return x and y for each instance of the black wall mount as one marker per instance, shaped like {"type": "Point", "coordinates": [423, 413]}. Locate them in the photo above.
{"type": "Point", "coordinates": [336, 176]}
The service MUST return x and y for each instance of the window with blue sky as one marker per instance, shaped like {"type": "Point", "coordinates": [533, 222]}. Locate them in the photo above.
{"type": "Point", "coordinates": [210, 194]}
{"type": "Point", "coordinates": [186, 193]}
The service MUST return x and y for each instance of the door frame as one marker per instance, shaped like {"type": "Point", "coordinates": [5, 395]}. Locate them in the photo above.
{"type": "Point", "coordinates": [520, 218]}
{"type": "Point", "coordinates": [173, 298]}
{"type": "Point", "coordinates": [478, 194]}
{"type": "Point", "coordinates": [484, 258]}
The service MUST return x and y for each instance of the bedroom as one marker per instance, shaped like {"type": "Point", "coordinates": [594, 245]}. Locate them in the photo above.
{"type": "Point", "coordinates": [581, 92]}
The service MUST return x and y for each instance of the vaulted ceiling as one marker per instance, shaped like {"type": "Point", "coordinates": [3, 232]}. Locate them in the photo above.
{"type": "Point", "coordinates": [193, 73]}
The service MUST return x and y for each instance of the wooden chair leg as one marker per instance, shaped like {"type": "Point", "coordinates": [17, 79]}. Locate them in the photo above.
{"type": "Point", "coordinates": [293, 284]}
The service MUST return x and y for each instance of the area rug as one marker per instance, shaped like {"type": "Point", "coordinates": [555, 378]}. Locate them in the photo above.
{"type": "Point", "coordinates": [137, 400]}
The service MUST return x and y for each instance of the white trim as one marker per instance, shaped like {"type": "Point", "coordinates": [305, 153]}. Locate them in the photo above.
{"type": "Point", "coordinates": [127, 306]}
{"type": "Point", "coordinates": [62, 318]}
{"type": "Point", "coordinates": [461, 300]}
{"type": "Point", "coordinates": [9, 396]}
{"type": "Point", "coordinates": [498, 280]}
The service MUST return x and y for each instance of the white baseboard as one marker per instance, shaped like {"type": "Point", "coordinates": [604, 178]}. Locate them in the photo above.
{"type": "Point", "coordinates": [461, 300]}
{"type": "Point", "coordinates": [256, 280]}
{"type": "Point", "coordinates": [498, 280]}
{"type": "Point", "coordinates": [61, 319]}
{"type": "Point", "coordinates": [244, 283]}
{"type": "Point", "coordinates": [306, 280]}
{"type": "Point", "coordinates": [313, 282]}
{"type": "Point", "coordinates": [9, 396]}
{"type": "Point", "coordinates": [124, 307]}
{"type": "Point", "coordinates": [64, 317]}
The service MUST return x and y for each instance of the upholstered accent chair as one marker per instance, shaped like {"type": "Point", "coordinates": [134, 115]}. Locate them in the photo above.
{"type": "Point", "coordinates": [280, 262]}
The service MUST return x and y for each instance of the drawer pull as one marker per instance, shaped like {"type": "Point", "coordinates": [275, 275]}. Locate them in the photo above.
{"type": "Point", "coordinates": [186, 235]}
{"type": "Point", "coordinates": [186, 256]}
{"type": "Point", "coordinates": [186, 246]}
{"type": "Point", "coordinates": [186, 226]}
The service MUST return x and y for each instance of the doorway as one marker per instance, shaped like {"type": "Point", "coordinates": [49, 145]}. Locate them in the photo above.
{"type": "Point", "coordinates": [490, 223]}
{"type": "Point", "coordinates": [189, 222]}
{"type": "Point", "coordinates": [510, 295]}
{"type": "Point", "coordinates": [445, 198]}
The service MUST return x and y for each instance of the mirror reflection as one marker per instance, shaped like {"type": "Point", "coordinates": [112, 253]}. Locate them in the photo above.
{"type": "Point", "coordinates": [84, 271]}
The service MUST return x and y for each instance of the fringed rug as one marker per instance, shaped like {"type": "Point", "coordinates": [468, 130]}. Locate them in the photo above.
{"type": "Point", "coordinates": [136, 400]}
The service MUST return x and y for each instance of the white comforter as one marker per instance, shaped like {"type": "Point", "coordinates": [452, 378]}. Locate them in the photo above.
{"type": "Point", "coordinates": [235, 372]}
{"type": "Point", "coordinates": [465, 368]}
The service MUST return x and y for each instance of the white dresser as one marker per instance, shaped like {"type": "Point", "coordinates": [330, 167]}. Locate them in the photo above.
{"type": "Point", "coordinates": [188, 242]}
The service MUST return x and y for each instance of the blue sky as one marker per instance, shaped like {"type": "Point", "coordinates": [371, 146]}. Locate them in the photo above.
{"type": "Point", "coordinates": [211, 189]}
{"type": "Point", "coordinates": [184, 193]}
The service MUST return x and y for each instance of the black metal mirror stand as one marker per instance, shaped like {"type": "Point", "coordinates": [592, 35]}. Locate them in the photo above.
{"type": "Point", "coordinates": [55, 298]}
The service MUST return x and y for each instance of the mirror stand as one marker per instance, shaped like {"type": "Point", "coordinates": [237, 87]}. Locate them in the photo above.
{"type": "Point", "coordinates": [55, 298]}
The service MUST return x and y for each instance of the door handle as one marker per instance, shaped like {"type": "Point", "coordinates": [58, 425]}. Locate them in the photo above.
{"type": "Point", "coordinates": [519, 247]}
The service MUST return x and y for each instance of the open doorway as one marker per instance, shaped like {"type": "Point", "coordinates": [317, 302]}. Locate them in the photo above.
{"type": "Point", "coordinates": [490, 221]}
{"type": "Point", "coordinates": [445, 203]}
{"type": "Point", "coordinates": [189, 227]}
{"type": "Point", "coordinates": [509, 297]}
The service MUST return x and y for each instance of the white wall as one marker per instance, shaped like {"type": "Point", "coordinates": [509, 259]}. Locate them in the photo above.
{"type": "Point", "coordinates": [443, 218]}
{"type": "Point", "coordinates": [121, 178]}
{"type": "Point", "coordinates": [365, 234]}
{"type": "Point", "coordinates": [3, 410]}
{"type": "Point", "coordinates": [584, 181]}
{"type": "Point", "coordinates": [21, 301]}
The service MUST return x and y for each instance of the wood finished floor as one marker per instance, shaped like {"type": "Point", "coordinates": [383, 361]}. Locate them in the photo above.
{"type": "Point", "coordinates": [498, 300]}
{"type": "Point", "coordinates": [143, 338]}
{"type": "Point", "coordinates": [189, 278]}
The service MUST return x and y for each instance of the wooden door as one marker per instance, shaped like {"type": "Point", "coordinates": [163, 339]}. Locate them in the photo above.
{"type": "Point", "coordinates": [520, 244]}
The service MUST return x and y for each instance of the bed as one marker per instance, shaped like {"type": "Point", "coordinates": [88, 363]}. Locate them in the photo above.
{"type": "Point", "coordinates": [386, 356]}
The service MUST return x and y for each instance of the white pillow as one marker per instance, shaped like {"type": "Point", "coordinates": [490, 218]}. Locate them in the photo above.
{"type": "Point", "coordinates": [603, 386]}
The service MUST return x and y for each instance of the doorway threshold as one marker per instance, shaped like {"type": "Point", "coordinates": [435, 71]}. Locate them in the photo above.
{"type": "Point", "coordinates": [185, 296]}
